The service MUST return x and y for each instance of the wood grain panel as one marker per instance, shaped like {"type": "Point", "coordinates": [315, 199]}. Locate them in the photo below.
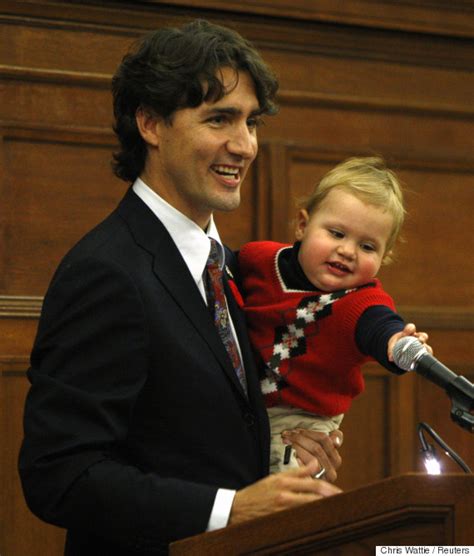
{"type": "Point", "coordinates": [438, 236]}
{"type": "Point", "coordinates": [437, 140]}
{"type": "Point", "coordinates": [357, 78]}
{"type": "Point", "coordinates": [63, 46]}
{"type": "Point", "coordinates": [49, 203]}
{"type": "Point", "coordinates": [17, 334]}
{"type": "Point", "coordinates": [366, 434]}
{"type": "Point", "coordinates": [49, 103]}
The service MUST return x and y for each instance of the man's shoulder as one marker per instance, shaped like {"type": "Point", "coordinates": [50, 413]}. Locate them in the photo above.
{"type": "Point", "coordinates": [100, 239]}
{"type": "Point", "coordinates": [115, 234]}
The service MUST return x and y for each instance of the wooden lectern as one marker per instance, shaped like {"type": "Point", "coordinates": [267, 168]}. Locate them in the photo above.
{"type": "Point", "coordinates": [412, 510]}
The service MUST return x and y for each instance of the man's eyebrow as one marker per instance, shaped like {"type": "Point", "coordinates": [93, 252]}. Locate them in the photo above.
{"type": "Point", "coordinates": [233, 111]}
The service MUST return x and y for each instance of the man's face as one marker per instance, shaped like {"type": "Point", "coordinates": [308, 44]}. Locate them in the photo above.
{"type": "Point", "coordinates": [202, 158]}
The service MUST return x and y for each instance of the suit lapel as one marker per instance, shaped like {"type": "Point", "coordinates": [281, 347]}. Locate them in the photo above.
{"type": "Point", "coordinates": [169, 267]}
{"type": "Point", "coordinates": [254, 393]}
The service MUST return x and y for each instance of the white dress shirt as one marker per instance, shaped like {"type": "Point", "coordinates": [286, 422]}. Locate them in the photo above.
{"type": "Point", "coordinates": [194, 245]}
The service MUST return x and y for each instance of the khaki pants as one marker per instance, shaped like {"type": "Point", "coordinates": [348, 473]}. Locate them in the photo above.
{"type": "Point", "coordinates": [286, 418]}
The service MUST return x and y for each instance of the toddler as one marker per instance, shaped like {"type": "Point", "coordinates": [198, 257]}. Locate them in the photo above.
{"type": "Point", "coordinates": [316, 311]}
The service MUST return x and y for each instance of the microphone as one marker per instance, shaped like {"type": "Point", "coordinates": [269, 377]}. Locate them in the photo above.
{"type": "Point", "coordinates": [410, 354]}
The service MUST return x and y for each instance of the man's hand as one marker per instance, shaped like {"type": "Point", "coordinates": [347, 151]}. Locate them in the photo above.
{"type": "Point", "coordinates": [279, 492]}
{"type": "Point", "coordinates": [312, 445]}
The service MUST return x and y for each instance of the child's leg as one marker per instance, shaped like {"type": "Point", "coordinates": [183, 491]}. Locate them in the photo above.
{"type": "Point", "coordinates": [286, 418]}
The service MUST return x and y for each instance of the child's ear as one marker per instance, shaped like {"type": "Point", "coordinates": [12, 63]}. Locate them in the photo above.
{"type": "Point", "coordinates": [388, 257]}
{"type": "Point", "coordinates": [301, 223]}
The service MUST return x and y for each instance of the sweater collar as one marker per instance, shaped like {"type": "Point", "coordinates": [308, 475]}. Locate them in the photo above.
{"type": "Point", "coordinates": [290, 269]}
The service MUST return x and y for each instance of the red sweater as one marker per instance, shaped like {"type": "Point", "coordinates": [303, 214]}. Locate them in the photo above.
{"type": "Point", "coordinates": [304, 340]}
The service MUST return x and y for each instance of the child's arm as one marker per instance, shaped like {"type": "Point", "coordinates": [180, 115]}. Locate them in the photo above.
{"type": "Point", "coordinates": [409, 330]}
{"type": "Point", "coordinates": [378, 330]}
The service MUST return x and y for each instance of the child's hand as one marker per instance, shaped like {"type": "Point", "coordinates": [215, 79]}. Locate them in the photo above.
{"type": "Point", "coordinates": [409, 330]}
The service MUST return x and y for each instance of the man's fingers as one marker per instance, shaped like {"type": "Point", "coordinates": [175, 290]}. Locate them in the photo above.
{"type": "Point", "coordinates": [278, 492]}
{"type": "Point", "coordinates": [301, 480]}
{"type": "Point", "coordinates": [337, 437]}
{"type": "Point", "coordinates": [310, 445]}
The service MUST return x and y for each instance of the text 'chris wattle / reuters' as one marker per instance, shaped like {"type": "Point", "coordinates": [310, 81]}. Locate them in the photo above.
{"type": "Point", "coordinates": [428, 549]}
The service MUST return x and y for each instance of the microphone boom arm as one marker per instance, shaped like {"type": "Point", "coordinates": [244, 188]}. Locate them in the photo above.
{"type": "Point", "coordinates": [411, 355]}
{"type": "Point", "coordinates": [459, 389]}
{"type": "Point", "coordinates": [461, 392]}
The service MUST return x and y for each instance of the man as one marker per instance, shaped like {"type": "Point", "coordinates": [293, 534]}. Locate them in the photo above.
{"type": "Point", "coordinates": [138, 430]}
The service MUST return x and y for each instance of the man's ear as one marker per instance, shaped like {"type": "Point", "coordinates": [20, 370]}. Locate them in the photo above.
{"type": "Point", "coordinates": [148, 126]}
{"type": "Point", "coordinates": [301, 223]}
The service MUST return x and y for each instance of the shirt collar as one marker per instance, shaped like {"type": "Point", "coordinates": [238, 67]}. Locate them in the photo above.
{"type": "Point", "coordinates": [192, 242]}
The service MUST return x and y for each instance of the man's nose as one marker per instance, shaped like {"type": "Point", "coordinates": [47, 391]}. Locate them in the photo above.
{"type": "Point", "coordinates": [243, 142]}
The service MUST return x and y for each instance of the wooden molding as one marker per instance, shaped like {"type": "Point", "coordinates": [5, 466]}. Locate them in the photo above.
{"type": "Point", "coordinates": [436, 17]}
{"type": "Point", "coordinates": [57, 133]}
{"type": "Point", "coordinates": [13, 366]}
{"type": "Point", "coordinates": [20, 307]}
{"type": "Point", "coordinates": [386, 36]}
{"type": "Point", "coordinates": [285, 96]}
{"type": "Point", "coordinates": [58, 77]}
{"type": "Point", "coordinates": [415, 16]}
{"type": "Point", "coordinates": [376, 104]}
{"type": "Point", "coordinates": [311, 153]}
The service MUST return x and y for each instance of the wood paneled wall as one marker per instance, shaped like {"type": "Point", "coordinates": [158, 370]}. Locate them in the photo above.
{"type": "Point", "coordinates": [357, 77]}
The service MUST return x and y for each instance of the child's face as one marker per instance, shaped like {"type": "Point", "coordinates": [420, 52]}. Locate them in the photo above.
{"type": "Point", "coordinates": [343, 241]}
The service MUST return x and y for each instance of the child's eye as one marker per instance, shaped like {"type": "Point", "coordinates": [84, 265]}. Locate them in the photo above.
{"type": "Point", "coordinates": [368, 247]}
{"type": "Point", "coordinates": [337, 234]}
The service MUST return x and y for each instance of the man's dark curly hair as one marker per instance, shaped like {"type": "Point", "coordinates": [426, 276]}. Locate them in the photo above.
{"type": "Point", "coordinates": [175, 68]}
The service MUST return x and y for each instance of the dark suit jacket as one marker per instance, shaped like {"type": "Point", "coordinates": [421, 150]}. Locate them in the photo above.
{"type": "Point", "coordinates": [135, 416]}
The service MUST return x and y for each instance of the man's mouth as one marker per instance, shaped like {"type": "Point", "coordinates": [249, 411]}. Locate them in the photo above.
{"type": "Point", "coordinates": [228, 172]}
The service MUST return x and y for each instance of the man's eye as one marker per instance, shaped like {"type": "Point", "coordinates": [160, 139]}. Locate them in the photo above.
{"type": "Point", "coordinates": [217, 120]}
{"type": "Point", "coordinates": [253, 123]}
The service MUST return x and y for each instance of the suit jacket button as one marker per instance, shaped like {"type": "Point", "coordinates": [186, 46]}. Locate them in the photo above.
{"type": "Point", "coordinates": [249, 418]}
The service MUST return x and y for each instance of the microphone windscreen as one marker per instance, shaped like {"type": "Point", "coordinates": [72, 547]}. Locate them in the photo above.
{"type": "Point", "coordinates": [407, 351]}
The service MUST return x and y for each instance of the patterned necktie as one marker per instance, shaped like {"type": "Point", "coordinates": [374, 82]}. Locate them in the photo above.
{"type": "Point", "coordinates": [218, 308]}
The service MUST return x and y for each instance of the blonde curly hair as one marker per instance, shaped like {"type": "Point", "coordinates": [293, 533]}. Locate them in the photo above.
{"type": "Point", "coordinates": [368, 179]}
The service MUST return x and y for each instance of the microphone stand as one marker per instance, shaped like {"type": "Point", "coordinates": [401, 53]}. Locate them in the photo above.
{"type": "Point", "coordinates": [461, 392]}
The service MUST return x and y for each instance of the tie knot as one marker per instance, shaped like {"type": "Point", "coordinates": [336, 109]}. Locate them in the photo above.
{"type": "Point", "coordinates": [213, 258]}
